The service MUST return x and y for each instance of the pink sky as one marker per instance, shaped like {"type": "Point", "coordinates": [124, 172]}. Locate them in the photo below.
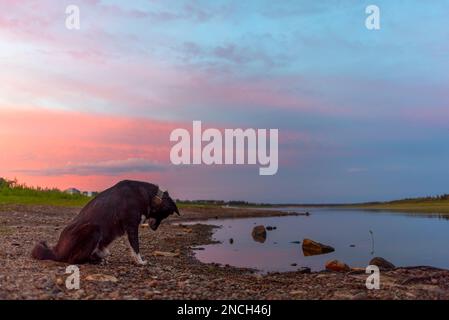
{"type": "Point", "coordinates": [91, 151]}
{"type": "Point", "coordinates": [44, 147]}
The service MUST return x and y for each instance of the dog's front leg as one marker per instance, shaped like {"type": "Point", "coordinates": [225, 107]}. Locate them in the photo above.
{"type": "Point", "coordinates": [133, 238]}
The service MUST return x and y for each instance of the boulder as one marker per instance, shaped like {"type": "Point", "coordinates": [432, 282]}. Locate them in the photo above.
{"type": "Point", "coordinates": [259, 234]}
{"type": "Point", "coordinates": [311, 248]}
{"type": "Point", "coordinates": [304, 270]}
{"type": "Point", "coordinates": [382, 263]}
{"type": "Point", "coordinates": [338, 266]}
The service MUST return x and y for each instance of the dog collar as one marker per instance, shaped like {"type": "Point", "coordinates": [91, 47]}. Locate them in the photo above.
{"type": "Point", "coordinates": [157, 199]}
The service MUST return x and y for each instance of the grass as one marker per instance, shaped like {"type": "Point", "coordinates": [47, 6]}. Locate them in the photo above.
{"type": "Point", "coordinates": [419, 205]}
{"type": "Point", "coordinates": [185, 205]}
{"type": "Point", "coordinates": [12, 192]}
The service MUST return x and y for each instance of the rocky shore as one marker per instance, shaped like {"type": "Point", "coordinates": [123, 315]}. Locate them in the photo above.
{"type": "Point", "coordinates": [173, 272]}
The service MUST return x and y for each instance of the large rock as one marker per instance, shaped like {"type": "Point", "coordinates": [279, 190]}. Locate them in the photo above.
{"type": "Point", "coordinates": [311, 248]}
{"type": "Point", "coordinates": [338, 266]}
{"type": "Point", "coordinates": [382, 263]}
{"type": "Point", "coordinates": [259, 234]}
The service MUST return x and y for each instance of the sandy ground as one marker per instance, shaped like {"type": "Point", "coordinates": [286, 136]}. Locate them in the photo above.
{"type": "Point", "coordinates": [179, 276]}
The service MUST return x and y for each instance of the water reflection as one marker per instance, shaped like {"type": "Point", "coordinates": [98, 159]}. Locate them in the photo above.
{"type": "Point", "coordinates": [404, 239]}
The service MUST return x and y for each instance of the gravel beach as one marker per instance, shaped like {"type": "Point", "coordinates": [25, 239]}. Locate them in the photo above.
{"type": "Point", "coordinates": [173, 272]}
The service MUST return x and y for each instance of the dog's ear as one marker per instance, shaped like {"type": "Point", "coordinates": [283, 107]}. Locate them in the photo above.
{"type": "Point", "coordinates": [175, 207]}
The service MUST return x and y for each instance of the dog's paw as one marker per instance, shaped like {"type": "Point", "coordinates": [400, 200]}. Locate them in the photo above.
{"type": "Point", "coordinates": [139, 261]}
{"type": "Point", "coordinates": [142, 263]}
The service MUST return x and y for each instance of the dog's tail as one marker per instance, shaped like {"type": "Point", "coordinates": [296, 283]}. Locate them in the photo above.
{"type": "Point", "coordinates": [42, 251]}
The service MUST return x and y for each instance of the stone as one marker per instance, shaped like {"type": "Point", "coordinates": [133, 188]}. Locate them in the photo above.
{"type": "Point", "coordinates": [360, 296]}
{"type": "Point", "coordinates": [304, 270]}
{"type": "Point", "coordinates": [259, 234]}
{"type": "Point", "coordinates": [166, 254]}
{"type": "Point", "coordinates": [101, 278]}
{"type": "Point", "coordinates": [298, 292]}
{"type": "Point", "coordinates": [338, 266]}
{"type": "Point", "coordinates": [382, 263]}
{"type": "Point", "coordinates": [311, 248]}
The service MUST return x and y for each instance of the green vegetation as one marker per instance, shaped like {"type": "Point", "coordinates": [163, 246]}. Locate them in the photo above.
{"type": "Point", "coordinates": [221, 203]}
{"type": "Point", "coordinates": [12, 192]}
{"type": "Point", "coordinates": [437, 204]}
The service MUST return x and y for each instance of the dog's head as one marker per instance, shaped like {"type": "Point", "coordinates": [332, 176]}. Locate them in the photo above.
{"type": "Point", "coordinates": [162, 206]}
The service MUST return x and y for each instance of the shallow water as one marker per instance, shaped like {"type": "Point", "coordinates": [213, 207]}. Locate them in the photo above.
{"type": "Point", "coordinates": [405, 240]}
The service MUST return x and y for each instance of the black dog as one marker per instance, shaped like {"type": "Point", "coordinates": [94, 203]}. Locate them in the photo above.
{"type": "Point", "coordinates": [114, 212]}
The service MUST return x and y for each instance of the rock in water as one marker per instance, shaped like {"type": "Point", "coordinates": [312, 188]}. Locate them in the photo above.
{"type": "Point", "coordinates": [259, 234]}
{"type": "Point", "coordinates": [382, 263]}
{"type": "Point", "coordinates": [338, 266]}
{"type": "Point", "coordinates": [304, 270]}
{"type": "Point", "coordinates": [311, 248]}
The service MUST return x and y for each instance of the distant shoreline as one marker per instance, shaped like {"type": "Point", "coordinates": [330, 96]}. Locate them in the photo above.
{"type": "Point", "coordinates": [13, 192]}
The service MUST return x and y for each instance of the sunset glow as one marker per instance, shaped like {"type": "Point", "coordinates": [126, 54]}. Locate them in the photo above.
{"type": "Point", "coordinates": [361, 115]}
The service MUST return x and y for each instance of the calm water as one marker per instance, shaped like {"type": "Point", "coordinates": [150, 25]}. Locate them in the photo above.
{"type": "Point", "coordinates": [405, 240]}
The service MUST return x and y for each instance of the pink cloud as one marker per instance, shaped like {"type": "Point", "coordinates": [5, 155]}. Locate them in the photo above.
{"type": "Point", "coordinates": [67, 144]}
{"type": "Point", "coordinates": [64, 149]}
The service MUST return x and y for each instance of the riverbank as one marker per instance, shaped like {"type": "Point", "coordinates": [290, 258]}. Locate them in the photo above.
{"type": "Point", "coordinates": [173, 272]}
{"type": "Point", "coordinates": [436, 207]}
{"type": "Point", "coordinates": [431, 205]}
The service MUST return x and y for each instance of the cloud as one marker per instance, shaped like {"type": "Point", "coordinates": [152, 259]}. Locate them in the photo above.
{"type": "Point", "coordinates": [108, 168]}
